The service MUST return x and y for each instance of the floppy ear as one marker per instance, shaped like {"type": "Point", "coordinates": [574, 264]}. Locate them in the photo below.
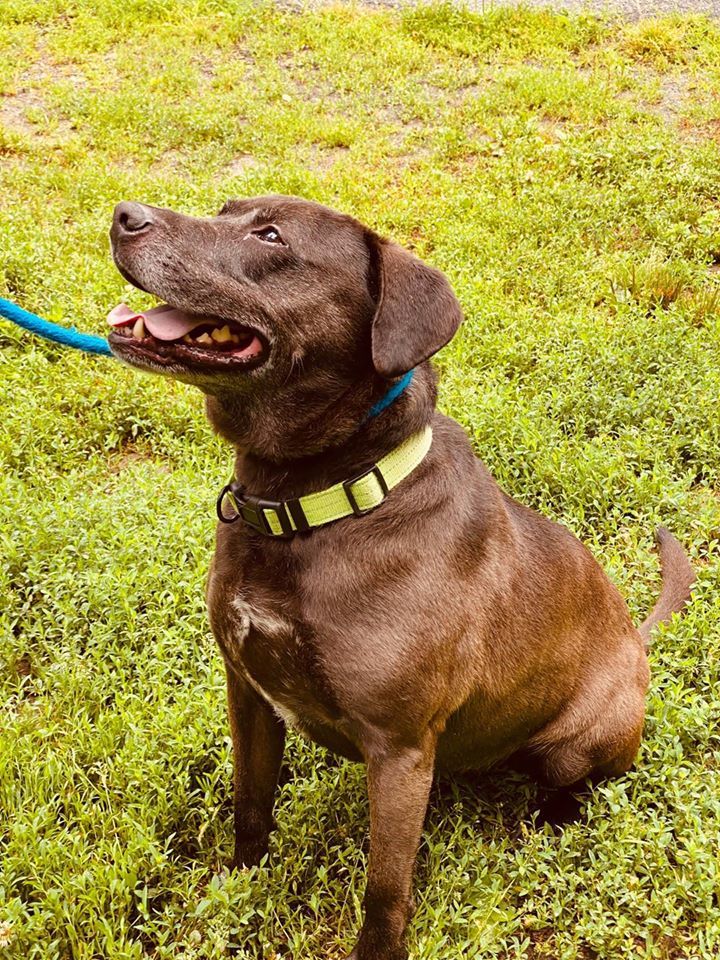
{"type": "Point", "coordinates": [417, 312]}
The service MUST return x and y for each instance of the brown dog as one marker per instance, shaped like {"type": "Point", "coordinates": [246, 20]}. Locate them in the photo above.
{"type": "Point", "coordinates": [447, 627]}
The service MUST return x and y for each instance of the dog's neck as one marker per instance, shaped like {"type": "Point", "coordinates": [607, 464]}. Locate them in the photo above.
{"type": "Point", "coordinates": [283, 454]}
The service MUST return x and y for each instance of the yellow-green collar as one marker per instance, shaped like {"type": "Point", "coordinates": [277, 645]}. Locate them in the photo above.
{"type": "Point", "coordinates": [359, 495]}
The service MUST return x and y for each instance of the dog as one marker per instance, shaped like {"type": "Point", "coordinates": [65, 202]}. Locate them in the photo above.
{"type": "Point", "coordinates": [427, 621]}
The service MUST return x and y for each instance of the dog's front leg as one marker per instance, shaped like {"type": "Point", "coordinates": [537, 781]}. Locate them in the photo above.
{"type": "Point", "coordinates": [258, 738]}
{"type": "Point", "coordinates": [399, 781]}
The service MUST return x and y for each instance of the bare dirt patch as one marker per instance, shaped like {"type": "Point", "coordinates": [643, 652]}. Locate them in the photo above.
{"type": "Point", "coordinates": [673, 96]}
{"type": "Point", "coordinates": [323, 159]}
{"type": "Point", "coordinates": [24, 109]}
{"type": "Point", "coordinates": [131, 455]}
{"type": "Point", "coordinates": [243, 163]}
{"type": "Point", "coordinates": [670, 98]}
{"type": "Point", "coordinates": [14, 111]}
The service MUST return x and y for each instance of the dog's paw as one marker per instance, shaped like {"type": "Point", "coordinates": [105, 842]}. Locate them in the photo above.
{"type": "Point", "coordinates": [396, 955]}
{"type": "Point", "coordinates": [248, 855]}
{"type": "Point", "coordinates": [376, 951]}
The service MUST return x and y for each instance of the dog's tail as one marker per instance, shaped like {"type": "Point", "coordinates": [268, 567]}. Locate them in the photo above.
{"type": "Point", "coordinates": [677, 579]}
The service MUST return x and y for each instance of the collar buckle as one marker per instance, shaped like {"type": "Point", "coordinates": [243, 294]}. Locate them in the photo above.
{"type": "Point", "coordinates": [251, 510]}
{"type": "Point", "coordinates": [349, 484]}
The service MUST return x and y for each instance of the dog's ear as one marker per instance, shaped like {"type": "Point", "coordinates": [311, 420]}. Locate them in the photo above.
{"type": "Point", "coordinates": [417, 312]}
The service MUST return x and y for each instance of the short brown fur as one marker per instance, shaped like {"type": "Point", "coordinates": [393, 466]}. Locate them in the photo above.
{"type": "Point", "coordinates": [449, 628]}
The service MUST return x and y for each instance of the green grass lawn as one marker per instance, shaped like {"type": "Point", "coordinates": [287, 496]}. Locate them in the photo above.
{"type": "Point", "coordinates": [565, 173]}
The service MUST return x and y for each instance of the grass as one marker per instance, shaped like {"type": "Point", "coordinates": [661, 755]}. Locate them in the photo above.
{"type": "Point", "coordinates": [565, 173]}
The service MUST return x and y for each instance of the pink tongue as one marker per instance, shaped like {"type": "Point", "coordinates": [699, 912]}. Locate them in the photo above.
{"type": "Point", "coordinates": [163, 322]}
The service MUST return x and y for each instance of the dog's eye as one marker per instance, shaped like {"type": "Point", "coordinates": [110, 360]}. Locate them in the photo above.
{"type": "Point", "coordinates": [268, 234]}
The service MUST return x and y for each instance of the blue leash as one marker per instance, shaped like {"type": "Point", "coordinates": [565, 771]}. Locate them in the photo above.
{"type": "Point", "coordinates": [67, 336]}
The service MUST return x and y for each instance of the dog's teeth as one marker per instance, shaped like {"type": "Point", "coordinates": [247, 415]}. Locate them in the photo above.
{"type": "Point", "coordinates": [204, 338]}
{"type": "Point", "coordinates": [187, 338]}
{"type": "Point", "coordinates": [234, 338]}
{"type": "Point", "coordinates": [221, 335]}
{"type": "Point", "coordinates": [138, 330]}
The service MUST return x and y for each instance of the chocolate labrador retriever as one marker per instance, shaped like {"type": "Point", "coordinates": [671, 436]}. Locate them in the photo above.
{"type": "Point", "coordinates": [410, 615]}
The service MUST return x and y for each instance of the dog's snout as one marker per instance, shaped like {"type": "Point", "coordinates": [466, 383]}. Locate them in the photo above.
{"type": "Point", "coordinates": [131, 218]}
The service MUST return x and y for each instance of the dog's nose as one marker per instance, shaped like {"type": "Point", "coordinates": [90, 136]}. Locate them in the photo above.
{"type": "Point", "coordinates": [131, 218]}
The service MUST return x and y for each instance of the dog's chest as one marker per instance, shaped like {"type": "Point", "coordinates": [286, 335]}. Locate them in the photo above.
{"type": "Point", "coordinates": [276, 657]}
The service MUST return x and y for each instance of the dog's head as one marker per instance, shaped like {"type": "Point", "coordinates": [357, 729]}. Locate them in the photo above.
{"type": "Point", "coordinates": [275, 292]}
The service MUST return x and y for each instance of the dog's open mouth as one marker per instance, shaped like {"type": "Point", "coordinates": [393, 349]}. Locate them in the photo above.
{"type": "Point", "coordinates": [166, 336]}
